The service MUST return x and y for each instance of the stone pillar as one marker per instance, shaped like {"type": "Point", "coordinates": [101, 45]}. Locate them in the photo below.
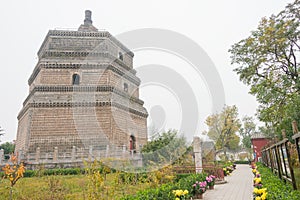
{"type": "Point", "coordinates": [90, 153]}
{"type": "Point", "coordinates": [107, 151]}
{"type": "Point", "coordinates": [1, 156]}
{"type": "Point", "coordinates": [73, 154]}
{"type": "Point", "coordinates": [20, 155]}
{"type": "Point", "coordinates": [55, 154]}
{"type": "Point", "coordinates": [198, 154]}
{"type": "Point", "coordinates": [38, 155]}
{"type": "Point", "coordinates": [124, 151]}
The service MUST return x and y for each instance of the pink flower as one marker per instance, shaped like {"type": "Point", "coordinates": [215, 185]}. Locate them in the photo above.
{"type": "Point", "coordinates": [212, 176]}
{"type": "Point", "coordinates": [203, 184]}
{"type": "Point", "coordinates": [209, 179]}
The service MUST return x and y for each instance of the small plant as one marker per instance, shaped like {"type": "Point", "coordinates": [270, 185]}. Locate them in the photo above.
{"type": "Point", "coordinates": [260, 194]}
{"type": "Point", "coordinates": [56, 189]}
{"type": "Point", "coordinates": [210, 180]}
{"type": "Point", "coordinates": [95, 180]}
{"type": "Point", "coordinates": [199, 188]}
{"type": "Point", "coordinates": [180, 194]}
{"type": "Point", "coordinates": [13, 172]}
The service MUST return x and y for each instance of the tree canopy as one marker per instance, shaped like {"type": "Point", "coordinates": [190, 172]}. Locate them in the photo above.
{"type": "Point", "coordinates": [223, 128]}
{"type": "Point", "coordinates": [267, 61]}
{"type": "Point", "coordinates": [165, 148]}
{"type": "Point", "coordinates": [247, 129]}
{"type": "Point", "coordinates": [8, 147]}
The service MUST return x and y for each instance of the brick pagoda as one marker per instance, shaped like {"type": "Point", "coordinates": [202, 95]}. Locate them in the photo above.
{"type": "Point", "coordinates": [83, 95]}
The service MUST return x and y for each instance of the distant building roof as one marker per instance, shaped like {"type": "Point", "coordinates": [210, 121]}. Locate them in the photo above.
{"type": "Point", "coordinates": [258, 135]}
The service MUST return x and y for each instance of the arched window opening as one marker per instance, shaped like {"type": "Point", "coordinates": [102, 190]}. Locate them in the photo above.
{"type": "Point", "coordinates": [75, 79]}
{"type": "Point", "coordinates": [125, 87]}
{"type": "Point", "coordinates": [132, 144]}
{"type": "Point", "coordinates": [120, 56]}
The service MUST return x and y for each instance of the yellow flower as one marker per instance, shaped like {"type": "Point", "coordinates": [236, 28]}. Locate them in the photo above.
{"type": "Point", "coordinates": [179, 193]}
{"type": "Point", "coordinates": [177, 198]}
{"type": "Point", "coordinates": [255, 190]}
{"type": "Point", "coordinates": [185, 192]}
{"type": "Point", "coordinates": [264, 196]}
{"type": "Point", "coordinates": [254, 170]}
{"type": "Point", "coordinates": [257, 198]}
{"type": "Point", "coordinates": [258, 180]}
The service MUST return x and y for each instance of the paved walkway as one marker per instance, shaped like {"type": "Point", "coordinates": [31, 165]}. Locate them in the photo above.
{"type": "Point", "coordinates": [238, 187]}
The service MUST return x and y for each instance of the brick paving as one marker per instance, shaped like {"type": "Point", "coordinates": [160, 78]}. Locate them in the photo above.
{"type": "Point", "coordinates": [238, 186]}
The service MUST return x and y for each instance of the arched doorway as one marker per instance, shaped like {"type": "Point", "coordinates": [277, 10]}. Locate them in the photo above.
{"type": "Point", "coordinates": [132, 144]}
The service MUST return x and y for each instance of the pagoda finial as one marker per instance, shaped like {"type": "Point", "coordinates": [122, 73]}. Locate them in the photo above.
{"type": "Point", "coordinates": [88, 18]}
{"type": "Point", "coordinates": [88, 23]}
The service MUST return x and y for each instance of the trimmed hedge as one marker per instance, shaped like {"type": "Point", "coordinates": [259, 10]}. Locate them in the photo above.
{"type": "Point", "coordinates": [49, 172]}
{"type": "Point", "coordinates": [164, 192]}
{"type": "Point", "coordinates": [276, 188]}
{"type": "Point", "coordinates": [242, 162]}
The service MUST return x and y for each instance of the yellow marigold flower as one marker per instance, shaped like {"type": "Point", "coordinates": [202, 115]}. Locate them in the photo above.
{"type": "Point", "coordinates": [253, 170]}
{"type": "Point", "coordinates": [264, 196]}
{"type": "Point", "coordinates": [258, 180]}
{"type": "Point", "coordinates": [255, 190]}
{"type": "Point", "coordinates": [185, 192]}
{"type": "Point", "coordinates": [177, 198]}
{"type": "Point", "coordinates": [257, 198]}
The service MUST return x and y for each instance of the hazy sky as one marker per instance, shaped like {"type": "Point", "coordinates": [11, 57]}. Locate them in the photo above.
{"type": "Point", "coordinates": [214, 25]}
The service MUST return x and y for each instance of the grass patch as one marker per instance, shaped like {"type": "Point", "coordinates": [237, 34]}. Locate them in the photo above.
{"type": "Point", "coordinates": [65, 187]}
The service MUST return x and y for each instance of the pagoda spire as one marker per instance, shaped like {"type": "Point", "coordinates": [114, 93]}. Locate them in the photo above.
{"type": "Point", "coordinates": [88, 23]}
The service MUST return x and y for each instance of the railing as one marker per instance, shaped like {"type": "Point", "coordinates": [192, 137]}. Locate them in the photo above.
{"type": "Point", "coordinates": [75, 158]}
{"type": "Point", "coordinates": [209, 169]}
{"type": "Point", "coordinates": [283, 158]}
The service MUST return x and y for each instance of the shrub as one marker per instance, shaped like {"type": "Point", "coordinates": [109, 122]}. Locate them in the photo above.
{"type": "Point", "coordinates": [164, 192]}
{"type": "Point", "coordinates": [277, 188]}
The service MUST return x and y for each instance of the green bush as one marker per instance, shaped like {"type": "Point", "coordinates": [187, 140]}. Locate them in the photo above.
{"type": "Point", "coordinates": [276, 188]}
{"type": "Point", "coordinates": [49, 172]}
{"type": "Point", "coordinates": [164, 192]}
{"type": "Point", "coordinates": [242, 162]}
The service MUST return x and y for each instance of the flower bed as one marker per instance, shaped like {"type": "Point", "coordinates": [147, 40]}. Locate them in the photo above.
{"type": "Point", "coordinates": [185, 188]}
{"type": "Point", "coordinates": [277, 189]}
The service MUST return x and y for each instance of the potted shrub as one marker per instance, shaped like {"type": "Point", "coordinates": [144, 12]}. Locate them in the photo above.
{"type": "Point", "coordinates": [198, 189]}
{"type": "Point", "coordinates": [210, 181]}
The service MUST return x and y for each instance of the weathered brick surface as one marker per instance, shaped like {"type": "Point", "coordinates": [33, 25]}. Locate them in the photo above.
{"type": "Point", "coordinates": [97, 112]}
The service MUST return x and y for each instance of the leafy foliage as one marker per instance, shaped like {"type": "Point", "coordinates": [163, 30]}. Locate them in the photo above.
{"type": "Point", "coordinates": [277, 189]}
{"type": "Point", "coordinates": [164, 192]}
{"type": "Point", "coordinates": [247, 129]}
{"type": "Point", "coordinates": [223, 127]}
{"type": "Point", "coordinates": [267, 62]}
{"type": "Point", "coordinates": [166, 148]}
{"type": "Point", "coordinates": [8, 147]}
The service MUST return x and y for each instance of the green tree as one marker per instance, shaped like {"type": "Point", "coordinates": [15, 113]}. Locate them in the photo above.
{"type": "Point", "coordinates": [267, 62]}
{"type": "Point", "coordinates": [164, 148]}
{"type": "Point", "coordinates": [8, 147]}
{"type": "Point", "coordinates": [223, 128]}
{"type": "Point", "coordinates": [247, 129]}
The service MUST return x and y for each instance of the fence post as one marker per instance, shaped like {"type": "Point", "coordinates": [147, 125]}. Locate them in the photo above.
{"type": "Point", "coordinates": [107, 151]}
{"type": "Point", "coordinates": [38, 154]}
{"type": "Point", "coordinates": [73, 154]}
{"type": "Point", "coordinates": [124, 151]}
{"type": "Point", "coordinates": [55, 154]}
{"type": "Point", "coordinates": [90, 153]}
{"type": "Point", "coordinates": [295, 127]}
{"type": "Point", "coordinates": [1, 156]}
